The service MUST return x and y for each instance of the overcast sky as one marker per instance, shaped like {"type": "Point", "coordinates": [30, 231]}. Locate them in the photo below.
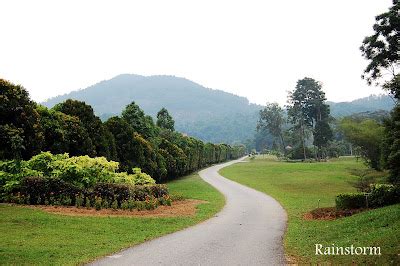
{"type": "Point", "coordinates": [257, 49]}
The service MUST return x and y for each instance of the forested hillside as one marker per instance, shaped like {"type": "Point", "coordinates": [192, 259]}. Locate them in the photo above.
{"type": "Point", "coordinates": [367, 104]}
{"type": "Point", "coordinates": [211, 115]}
{"type": "Point", "coordinates": [207, 114]}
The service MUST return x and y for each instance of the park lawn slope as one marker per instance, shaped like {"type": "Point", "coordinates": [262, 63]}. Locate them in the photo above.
{"type": "Point", "coordinates": [300, 188]}
{"type": "Point", "coordinates": [31, 236]}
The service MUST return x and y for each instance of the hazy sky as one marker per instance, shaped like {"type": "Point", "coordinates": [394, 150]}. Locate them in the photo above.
{"type": "Point", "coordinates": [257, 49]}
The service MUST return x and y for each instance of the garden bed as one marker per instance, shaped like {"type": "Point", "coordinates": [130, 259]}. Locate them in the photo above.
{"type": "Point", "coordinates": [330, 213]}
{"type": "Point", "coordinates": [178, 208]}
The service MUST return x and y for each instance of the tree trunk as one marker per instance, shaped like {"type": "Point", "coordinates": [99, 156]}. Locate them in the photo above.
{"type": "Point", "coordinates": [303, 141]}
{"type": "Point", "coordinates": [283, 144]}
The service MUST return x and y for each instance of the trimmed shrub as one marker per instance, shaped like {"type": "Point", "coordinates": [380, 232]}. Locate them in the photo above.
{"type": "Point", "coordinates": [41, 190]}
{"type": "Point", "coordinates": [380, 195]}
{"type": "Point", "coordinates": [350, 201]}
{"type": "Point", "coordinates": [54, 191]}
{"type": "Point", "coordinates": [383, 195]}
{"type": "Point", "coordinates": [122, 192]}
{"type": "Point", "coordinates": [82, 171]}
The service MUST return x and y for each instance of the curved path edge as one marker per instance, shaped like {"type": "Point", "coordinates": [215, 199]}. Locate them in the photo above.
{"type": "Point", "coordinates": [247, 231]}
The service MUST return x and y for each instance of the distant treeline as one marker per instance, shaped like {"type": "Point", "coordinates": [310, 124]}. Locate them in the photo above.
{"type": "Point", "coordinates": [133, 139]}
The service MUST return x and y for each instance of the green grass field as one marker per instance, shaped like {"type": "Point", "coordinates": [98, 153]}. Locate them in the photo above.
{"type": "Point", "coordinates": [30, 236]}
{"type": "Point", "coordinates": [299, 187]}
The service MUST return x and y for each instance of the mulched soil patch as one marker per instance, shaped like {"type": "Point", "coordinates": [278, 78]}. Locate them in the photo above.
{"type": "Point", "coordinates": [178, 208]}
{"type": "Point", "coordinates": [330, 213]}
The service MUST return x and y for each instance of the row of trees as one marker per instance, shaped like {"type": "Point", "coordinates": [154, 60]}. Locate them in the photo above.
{"type": "Point", "coordinates": [133, 139]}
{"type": "Point", "coordinates": [306, 119]}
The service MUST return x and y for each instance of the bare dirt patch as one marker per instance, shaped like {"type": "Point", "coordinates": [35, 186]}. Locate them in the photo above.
{"type": "Point", "coordinates": [330, 213]}
{"type": "Point", "coordinates": [178, 208]}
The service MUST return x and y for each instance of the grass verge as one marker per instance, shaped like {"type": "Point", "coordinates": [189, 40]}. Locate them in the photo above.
{"type": "Point", "coordinates": [302, 187]}
{"type": "Point", "coordinates": [29, 236]}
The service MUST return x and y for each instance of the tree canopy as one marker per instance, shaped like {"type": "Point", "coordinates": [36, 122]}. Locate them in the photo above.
{"type": "Point", "coordinates": [165, 120]}
{"type": "Point", "coordinates": [21, 134]}
{"type": "Point", "coordinates": [382, 50]}
{"type": "Point", "coordinates": [309, 113]}
{"type": "Point", "coordinates": [272, 119]}
{"type": "Point", "coordinates": [91, 123]}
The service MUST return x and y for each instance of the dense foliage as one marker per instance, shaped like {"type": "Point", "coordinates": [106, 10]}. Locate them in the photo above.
{"type": "Point", "coordinates": [309, 115]}
{"type": "Point", "coordinates": [133, 139]}
{"type": "Point", "coordinates": [368, 135]}
{"type": "Point", "coordinates": [379, 195]}
{"type": "Point", "coordinates": [382, 52]}
{"type": "Point", "coordinates": [81, 181]}
{"type": "Point", "coordinates": [391, 146]}
{"type": "Point", "coordinates": [20, 130]}
{"type": "Point", "coordinates": [80, 171]}
{"type": "Point", "coordinates": [304, 130]}
{"type": "Point", "coordinates": [55, 191]}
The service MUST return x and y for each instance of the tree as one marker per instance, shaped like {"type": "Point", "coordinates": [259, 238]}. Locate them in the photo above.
{"type": "Point", "coordinates": [366, 134]}
{"type": "Point", "coordinates": [165, 120]}
{"type": "Point", "coordinates": [176, 160]}
{"type": "Point", "coordinates": [382, 50]}
{"type": "Point", "coordinates": [126, 148]}
{"type": "Point", "coordinates": [64, 133]}
{"type": "Point", "coordinates": [272, 119]}
{"type": "Point", "coordinates": [307, 109]}
{"type": "Point", "coordinates": [132, 149]}
{"type": "Point", "coordinates": [136, 118]}
{"type": "Point", "coordinates": [391, 145]}
{"type": "Point", "coordinates": [21, 136]}
{"type": "Point", "coordinates": [322, 135]}
{"type": "Point", "coordinates": [93, 125]}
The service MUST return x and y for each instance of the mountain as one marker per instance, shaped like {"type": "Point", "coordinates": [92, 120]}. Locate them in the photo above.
{"type": "Point", "coordinates": [211, 115]}
{"type": "Point", "coordinates": [367, 104]}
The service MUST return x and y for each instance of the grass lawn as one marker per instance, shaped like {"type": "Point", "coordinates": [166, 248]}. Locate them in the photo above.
{"type": "Point", "coordinates": [30, 236]}
{"type": "Point", "coordinates": [299, 187]}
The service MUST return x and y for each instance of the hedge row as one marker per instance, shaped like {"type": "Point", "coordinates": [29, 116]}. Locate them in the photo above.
{"type": "Point", "coordinates": [380, 195]}
{"type": "Point", "coordinates": [54, 191]}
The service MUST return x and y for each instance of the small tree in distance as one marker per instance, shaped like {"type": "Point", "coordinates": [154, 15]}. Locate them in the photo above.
{"type": "Point", "coordinates": [272, 119]}
{"type": "Point", "coordinates": [165, 120]}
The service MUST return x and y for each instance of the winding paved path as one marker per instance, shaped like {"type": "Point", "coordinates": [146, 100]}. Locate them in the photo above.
{"type": "Point", "coordinates": [248, 231]}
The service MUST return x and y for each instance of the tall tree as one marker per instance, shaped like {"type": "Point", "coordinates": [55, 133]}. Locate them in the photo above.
{"type": "Point", "coordinates": [272, 119]}
{"type": "Point", "coordinates": [93, 125]}
{"type": "Point", "coordinates": [20, 133]}
{"type": "Point", "coordinates": [124, 139]}
{"type": "Point", "coordinates": [307, 109]}
{"type": "Point", "coordinates": [323, 134]}
{"type": "Point", "coordinates": [382, 51]}
{"type": "Point", "coordinates": [132, 149]}
{"type": "Point", "coordinates": [165, 120]}
{"type": "Point", "coordinates": [136, 118]}
{"type": "Point", "coordinates": [64, 133]}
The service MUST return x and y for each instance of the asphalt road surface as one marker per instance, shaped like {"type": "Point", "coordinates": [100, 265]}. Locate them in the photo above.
{"type": "Point", "coordinates": [248, 231]}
